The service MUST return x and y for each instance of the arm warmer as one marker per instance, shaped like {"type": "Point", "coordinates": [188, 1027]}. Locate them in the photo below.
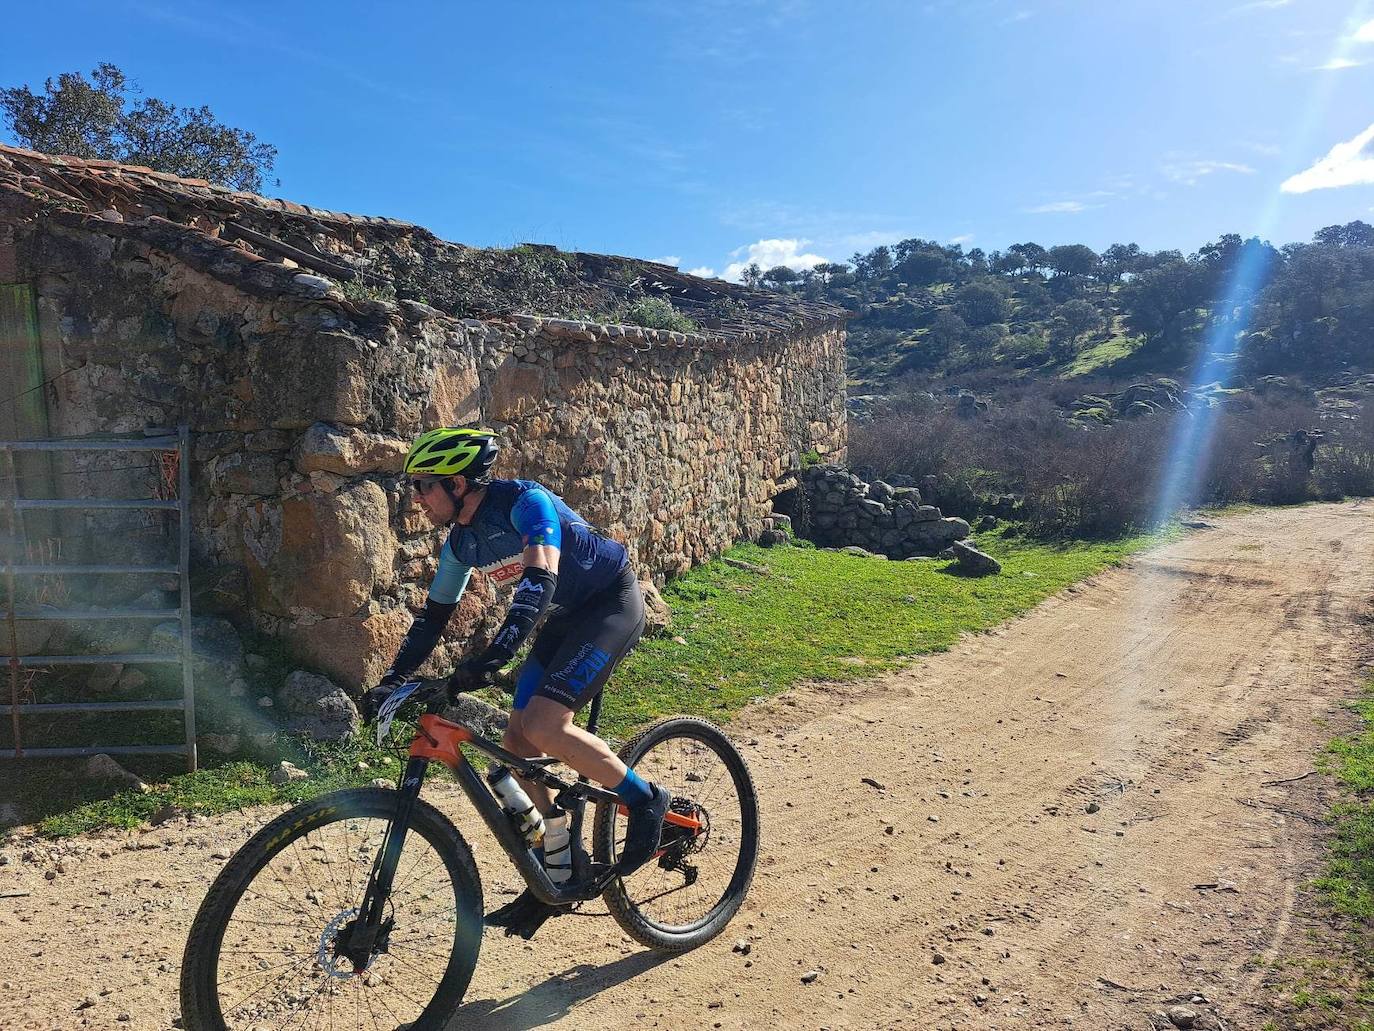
{"type": "Point", "coordinates": [532, 597]}
{"type": "Point", "coordinates": [421, 638]}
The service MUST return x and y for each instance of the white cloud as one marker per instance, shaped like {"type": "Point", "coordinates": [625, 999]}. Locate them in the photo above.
{"type": "Point", "coordinates": [961, 239]}
{"type": "Point", "coordinates": [1060, 207]}
{"type": "Point", "coordinates": [1346, 164]}
{"type": "Point", "coordinates": [1364, 34]}
{"type": "Point", "coordinates": [668, 259]}
{"type": "Point", "coordinates": [770, 254]}
{"type": "Point", "coordinates": [1190, 172]}
{"type": "Point", "coordinates": [1336, 64]}
{"type": "Point", "coordinates": [704, 271]}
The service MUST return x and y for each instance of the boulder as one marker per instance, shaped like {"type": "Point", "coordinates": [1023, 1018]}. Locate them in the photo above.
{"type": "Point", "coordinates": [658, 617]}
{"type": "Point", "coordinates": [354, 651]}
{"type": "Point", "coordinates": [455, 398]}
{"type": "Point", "coordinates": [33, 634]}
{"type": "Point", "coordinates": [348, 451]}
{"type": "Point", "coordinates": [320, 553]}
{"type": "Point", "coordinates": [483, 717]}
{"type": "Point", "coordinates": [286, 772]}
{"type": "Point", "coordinates": [102, 767]}
{"type": "Point", "coordinates": [317, 707]}
{"type": "Point", "coordinates": [973, 561]}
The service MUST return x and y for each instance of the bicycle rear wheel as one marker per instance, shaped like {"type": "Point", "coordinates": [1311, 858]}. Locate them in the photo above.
{"type": "Point", "coordinates": [261, 953]}
{"type": "Point", "coordinates": [687, 895]}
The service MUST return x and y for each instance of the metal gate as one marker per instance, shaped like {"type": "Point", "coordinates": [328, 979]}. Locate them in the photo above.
{"type": "Point", "coordinates": [16, 505]}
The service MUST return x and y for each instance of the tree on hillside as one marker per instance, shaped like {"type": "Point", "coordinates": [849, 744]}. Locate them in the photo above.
{"type": "Point", "coordinates": [1162, 302]}
{"type": "Point", "coordinates": [980, 304]}
{"type": "Point", "coordinates": [923, 263]}
{"type": "Point", "coordinates": [1118, 260]}
{"type": "Point", "coordinates": [780, 277]}
{"type": "Point", "coordinates": [1352, 234]}
{"type": "Point", "coordinates": [1070, 321]}
{"type": "Point", "coordinates": [103, 117]}
{"type": "Point", "coordinates": [1011, 263]}
{"type": "Point", "coordinates": [1072, 259]}
{"type": "Point", "coordinates": [1034, 256]}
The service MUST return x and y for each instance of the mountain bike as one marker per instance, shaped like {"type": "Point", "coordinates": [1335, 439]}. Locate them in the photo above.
{"type": "Point", "coordinates": [362, 908]}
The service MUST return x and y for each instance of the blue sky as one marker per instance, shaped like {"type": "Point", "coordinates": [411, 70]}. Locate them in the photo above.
{"type": "Point", "coordinates": [711, 131]}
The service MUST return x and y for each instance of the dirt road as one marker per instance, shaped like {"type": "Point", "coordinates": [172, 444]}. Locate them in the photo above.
{"type": "Point", "coordinates": [977, 890]}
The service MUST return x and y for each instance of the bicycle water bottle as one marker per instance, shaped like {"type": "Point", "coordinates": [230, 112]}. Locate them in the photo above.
{"type": "Point", "coordinates": [557, 847]}
{"type": "Point", "coordinates": [517, 804]}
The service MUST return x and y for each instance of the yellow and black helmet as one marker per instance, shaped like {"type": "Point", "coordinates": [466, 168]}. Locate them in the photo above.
{"type": "Point", "coordinates": [448, 451]}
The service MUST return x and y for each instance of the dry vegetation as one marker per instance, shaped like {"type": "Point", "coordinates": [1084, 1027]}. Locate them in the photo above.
{"type": "Point", "coordinates": [1073, 480]}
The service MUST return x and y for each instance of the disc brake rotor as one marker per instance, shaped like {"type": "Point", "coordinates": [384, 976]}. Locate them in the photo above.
{"type": "Point", "coordinates": [326, 955]}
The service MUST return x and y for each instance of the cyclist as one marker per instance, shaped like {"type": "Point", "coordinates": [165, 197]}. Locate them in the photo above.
{"type": "Point", "coordinates": [518, 531]}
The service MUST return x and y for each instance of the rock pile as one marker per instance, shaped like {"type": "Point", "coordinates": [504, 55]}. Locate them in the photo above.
{"type": "Point", "coordinates": [840, 509]}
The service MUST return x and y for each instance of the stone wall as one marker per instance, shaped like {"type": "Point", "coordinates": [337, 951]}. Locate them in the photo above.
{"type": "Point", "coordinates": [835, 508]}
{"type": "Point", "coordinates": [302, 403]}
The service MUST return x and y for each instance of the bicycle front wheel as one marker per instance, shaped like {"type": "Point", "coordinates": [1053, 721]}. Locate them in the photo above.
{"type": "Point", "coordinates": [687, 894]}
{"type": "Point", "coordinates": [262, 951]}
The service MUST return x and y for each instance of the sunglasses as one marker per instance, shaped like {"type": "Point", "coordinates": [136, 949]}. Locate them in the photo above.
{"type": "Point", "coordinates": [424, 486]}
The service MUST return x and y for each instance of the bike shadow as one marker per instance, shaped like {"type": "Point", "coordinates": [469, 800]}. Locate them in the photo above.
{"type": "Point", "coordinates": [554, 998]}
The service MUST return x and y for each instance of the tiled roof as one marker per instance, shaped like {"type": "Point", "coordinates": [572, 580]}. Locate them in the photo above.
{"type": "Point", "coordinates": [142, 202]}
{"type": "Point", "coordinates": [87, 180]}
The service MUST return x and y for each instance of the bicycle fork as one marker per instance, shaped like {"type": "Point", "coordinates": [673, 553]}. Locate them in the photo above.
{"type": "Point", "coordinates": [367, 933]}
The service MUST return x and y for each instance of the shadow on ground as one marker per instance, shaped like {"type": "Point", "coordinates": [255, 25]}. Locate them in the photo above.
{"type": "Point", "coordinates": [554, 998]}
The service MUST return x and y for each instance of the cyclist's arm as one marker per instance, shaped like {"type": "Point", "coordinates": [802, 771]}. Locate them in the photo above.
{"type": "Point", "coordinates": [535, 517]}
{"type": "Point", "coordinates": [448, 585]}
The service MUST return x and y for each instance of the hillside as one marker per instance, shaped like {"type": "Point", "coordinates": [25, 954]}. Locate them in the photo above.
{"type": "Point", "coordinates": [934, 311]}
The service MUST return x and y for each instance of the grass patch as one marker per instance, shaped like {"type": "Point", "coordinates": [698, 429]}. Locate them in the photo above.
{"type": "Point", "coordinates": [747, 635]}
{"type": "Point", "coordinates": [1348, 883]}
{"type": "Point", "coordinates": [750, 635]}
{"type": "Point", "coordinates": [237, 784]}
{"type": "Point", "coordinates": [1330, 982]}
{"type": "Point", "coordinates": [1103, 354]}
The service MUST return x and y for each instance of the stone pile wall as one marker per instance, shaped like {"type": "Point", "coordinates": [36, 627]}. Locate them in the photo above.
{"type": "Point", "coordinates": [302, 403]}
{"type": "Point", "coordinates": [836, 509]}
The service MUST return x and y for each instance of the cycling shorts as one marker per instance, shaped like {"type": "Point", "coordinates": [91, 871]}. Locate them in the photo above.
{"type": "Point", "coordinates": [576, 650]}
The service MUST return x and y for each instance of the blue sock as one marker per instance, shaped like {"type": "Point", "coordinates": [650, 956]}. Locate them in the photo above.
{"type": "Point", "coordinates": [633, 790]}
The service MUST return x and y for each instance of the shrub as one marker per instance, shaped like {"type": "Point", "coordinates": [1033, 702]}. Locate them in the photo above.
{"type": "Point", "coordinates": [656, 313]}
{"type": "Point", "coordinates": [1087, 478]}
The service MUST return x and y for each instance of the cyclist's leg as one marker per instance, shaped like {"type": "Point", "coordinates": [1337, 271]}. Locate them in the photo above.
{"type": "Point", "coordinates": [606, 631]}
{"type": "Point", "coordinates": [592, 646]}
{"type": "Point", "coordinates": [527, 681]}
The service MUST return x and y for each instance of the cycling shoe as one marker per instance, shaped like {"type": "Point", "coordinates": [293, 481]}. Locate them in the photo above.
{"type": "Point", "coordinates": [643, 831]}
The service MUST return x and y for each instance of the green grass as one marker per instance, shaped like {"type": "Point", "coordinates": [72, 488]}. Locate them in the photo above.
{"type": "Point", "coordinates": [749, 635]}
{"type": "Point", "coordinates": [1329, 982]}
{"type": "Point", "coordinates": [814, 615]}
{"type": "Point", "coordinates": [1348, 883]}
{"type": "Point", "coordinates": [235, 785]}
{"type": "Point", "coordinates": [1103, 354]}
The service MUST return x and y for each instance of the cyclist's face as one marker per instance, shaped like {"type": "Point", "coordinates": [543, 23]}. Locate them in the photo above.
{"type": "Point", "coordinates": [435, 501]}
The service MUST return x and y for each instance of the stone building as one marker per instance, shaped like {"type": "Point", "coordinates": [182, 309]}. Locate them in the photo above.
{"type": "Point", "coordinates": [305, 347]}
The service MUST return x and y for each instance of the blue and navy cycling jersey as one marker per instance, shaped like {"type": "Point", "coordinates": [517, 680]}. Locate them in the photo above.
{"type": "Point", "coordinates": [517, 513]}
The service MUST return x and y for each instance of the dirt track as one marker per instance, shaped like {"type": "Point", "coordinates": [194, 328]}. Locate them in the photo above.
{"type": "Point", "coordinates": [1167, 693]}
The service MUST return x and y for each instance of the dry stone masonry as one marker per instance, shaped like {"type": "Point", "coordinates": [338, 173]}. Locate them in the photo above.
{"type": "Point", "coordinates": [835, 508]}
{"type": "Point", "coordinates": [263, 324]}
